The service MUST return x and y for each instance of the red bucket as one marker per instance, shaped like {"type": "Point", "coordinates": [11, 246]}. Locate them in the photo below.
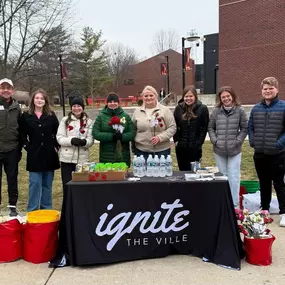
{"type": "Point", "coordinates": [258, 250]}
{"type": "Point", "coordinates": [11, 241]}
{"type": "Point", "coordinates": [40, 242]}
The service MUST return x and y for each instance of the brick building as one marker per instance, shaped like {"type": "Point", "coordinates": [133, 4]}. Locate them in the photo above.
{"type": "Point", "coordinates": [148, 72]}
{"type": "Point", "coordinates": [252, 45]}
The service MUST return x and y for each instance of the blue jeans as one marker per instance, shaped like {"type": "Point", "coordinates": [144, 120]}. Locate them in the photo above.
{"type": "Point", "coordinates": [230, 167]}
{"type": "Point", "coordinates": [40, 190]}
{"type": "Point", "coordinates": [146, 154]}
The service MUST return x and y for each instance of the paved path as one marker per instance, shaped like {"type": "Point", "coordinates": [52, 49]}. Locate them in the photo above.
{"type": "Point", "coordinates": [176, 270]}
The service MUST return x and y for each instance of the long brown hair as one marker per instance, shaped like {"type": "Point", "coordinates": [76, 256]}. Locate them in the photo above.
{"type": "Point", "coordinates": [189, 113]}
{"type": "Point", "coordinates": [46, 108]}
{"type": "Point", "coordinates": [231, 91]}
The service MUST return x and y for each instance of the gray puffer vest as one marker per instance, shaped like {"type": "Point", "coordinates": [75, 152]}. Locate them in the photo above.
{"type": "Point", "coordinates": [227, 131]}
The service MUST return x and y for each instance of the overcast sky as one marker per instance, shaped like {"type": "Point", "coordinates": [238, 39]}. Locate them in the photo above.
{"type": "Point", "coordinates": [134, 22]}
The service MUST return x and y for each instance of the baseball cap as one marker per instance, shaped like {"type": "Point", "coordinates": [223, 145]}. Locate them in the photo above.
{"type": "Point", "coordinates": [6, 80]}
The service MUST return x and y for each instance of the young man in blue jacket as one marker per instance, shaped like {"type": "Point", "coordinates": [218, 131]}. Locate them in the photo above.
{"type": "Point", "coordinates": [10, 148]}
{"type": "Point", "coordinates": [266, 130]}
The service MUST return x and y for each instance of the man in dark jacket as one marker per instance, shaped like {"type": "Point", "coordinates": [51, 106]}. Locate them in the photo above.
{"type": "Point", "coordinates": [10, 150]}
{"type": "Point", "coordinates": [266, 129]}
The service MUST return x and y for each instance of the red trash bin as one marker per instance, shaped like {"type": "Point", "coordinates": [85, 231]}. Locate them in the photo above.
{"type": "Point", "coordinates": [40, 242]}
{"type": "Point", "coordinates": [11, 240]}
{"type": "Point", "coordinates": [258, 250]}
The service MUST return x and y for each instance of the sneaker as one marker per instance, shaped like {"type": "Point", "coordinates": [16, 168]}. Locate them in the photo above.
{"type": "Point", "coordinates": [13, 211]}
{"type": "Point", "coordinates": [282, 221]}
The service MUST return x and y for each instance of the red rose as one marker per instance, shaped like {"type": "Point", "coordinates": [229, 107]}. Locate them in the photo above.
{"type": "Point", "coordinates": [104, 176]}
{"type": "Point", "coordinates": [159, 119]}
{"type": "Point", "coordinates": [114, 121]}
{"type": "Point", "coordinates": [268, 220]}
{"type": "Point", "coordinates": [161, 125]}
{"type": "Point", "coordinates": [70, 128]}
{"type": "Point", "coordinates": [267, 231]}
{"type": "Point", "coordinates": [82, 131]}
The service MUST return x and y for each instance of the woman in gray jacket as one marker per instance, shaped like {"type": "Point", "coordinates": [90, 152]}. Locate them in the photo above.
{"type": "Point", "coordinates": [227, 131]}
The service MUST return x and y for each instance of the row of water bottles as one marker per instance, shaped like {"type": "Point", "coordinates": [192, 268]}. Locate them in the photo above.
{"type": "Point", "coordinates": [153, 166]}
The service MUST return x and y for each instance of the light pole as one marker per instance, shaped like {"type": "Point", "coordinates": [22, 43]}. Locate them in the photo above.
{"type": "Point", "coordinates": [61, 83]}
{"type": "Point", "coordinates": [167, 65]}
{"type": "Point", "coordinates": [191, 38]}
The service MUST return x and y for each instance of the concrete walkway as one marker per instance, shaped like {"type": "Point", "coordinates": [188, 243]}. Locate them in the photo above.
{"type": "Point", "coordinates": [176, 270]}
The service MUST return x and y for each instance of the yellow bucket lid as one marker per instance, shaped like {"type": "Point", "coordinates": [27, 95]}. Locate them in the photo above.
{"type": "Point", "coordinates": [43, 216]}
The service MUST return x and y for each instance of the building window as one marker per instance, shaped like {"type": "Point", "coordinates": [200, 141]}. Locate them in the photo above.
{"type": "Point", "coordinates": [129, 81]}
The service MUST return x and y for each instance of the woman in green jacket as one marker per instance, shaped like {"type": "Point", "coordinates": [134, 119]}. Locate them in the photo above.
{"type": "Point", "coordinates": [109, 137]}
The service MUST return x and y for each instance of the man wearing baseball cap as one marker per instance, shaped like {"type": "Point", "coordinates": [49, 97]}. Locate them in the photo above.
{"type": "Point", "coordinates": [10, 147]}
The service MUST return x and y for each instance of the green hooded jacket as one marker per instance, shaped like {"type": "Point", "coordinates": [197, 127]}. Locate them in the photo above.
{"type": "Point", "coordinates": [104, 133]}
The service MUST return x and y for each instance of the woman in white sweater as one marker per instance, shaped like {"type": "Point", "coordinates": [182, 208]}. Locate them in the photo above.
{"type": "Point", "coordinates": [74, 135]}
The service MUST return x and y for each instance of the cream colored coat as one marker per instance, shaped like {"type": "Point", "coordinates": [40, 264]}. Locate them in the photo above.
{"type": "Point", "coordinates": [68, 152]}
{"type": "Point", "coordinates": [145, 131]}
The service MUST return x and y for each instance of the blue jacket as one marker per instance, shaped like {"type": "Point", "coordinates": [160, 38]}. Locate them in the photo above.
{"type": "Point", "coordinates": [266, 127]}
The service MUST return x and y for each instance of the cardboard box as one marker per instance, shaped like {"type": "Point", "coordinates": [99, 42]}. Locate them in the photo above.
{"type": "Point", "coordinates": [80, 176]}
{"type": "Point", "coordinates": [99, 176]}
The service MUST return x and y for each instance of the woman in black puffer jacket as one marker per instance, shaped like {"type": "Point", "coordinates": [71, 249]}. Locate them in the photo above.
{"type": "Point", "coordinates": [192, 118]}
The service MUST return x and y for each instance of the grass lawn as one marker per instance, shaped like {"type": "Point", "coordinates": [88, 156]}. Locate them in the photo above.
{"type": "Point", "coordinates": [247, 173]}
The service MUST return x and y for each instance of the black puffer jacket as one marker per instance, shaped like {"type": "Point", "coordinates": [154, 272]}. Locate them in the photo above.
{"type": "Point", "coordinates": [191, 133]}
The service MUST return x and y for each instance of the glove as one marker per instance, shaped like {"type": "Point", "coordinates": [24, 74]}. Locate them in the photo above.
{"type": "Point", "coordinates": [117, 136]}
{"type": "Point", "coordinates": [83, 142]}
{"type": "Point", "coordinates": [76, 141]}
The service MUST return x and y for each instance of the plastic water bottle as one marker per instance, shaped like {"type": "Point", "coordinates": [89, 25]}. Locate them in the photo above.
{"type": "Point", "coordinates": [135, 167]}
{"type": "Point", "coordinates": [149, 166]}
{"type": "Point", "coordinates": [156, 166]}
{"type": "Point", "coordinates": [142, 166]}
{"type": "Point", "coordinates": [168, 166]}
{"type": "Point", "coordinates": [138, 164]}
{"type": "Point", "coordinates": [162, 170]}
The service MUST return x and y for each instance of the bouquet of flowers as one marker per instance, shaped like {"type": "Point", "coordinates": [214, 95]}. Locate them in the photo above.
{"type": "Point", "coordinates": [253, 225]}
{"type": "Point", "coordinates": [118, 125]}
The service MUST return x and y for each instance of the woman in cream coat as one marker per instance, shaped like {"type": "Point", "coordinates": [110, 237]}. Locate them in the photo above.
{"type": "Point", "coordinates": [74, 135]}
{"type": "Point", "coordinates": [155, 125]}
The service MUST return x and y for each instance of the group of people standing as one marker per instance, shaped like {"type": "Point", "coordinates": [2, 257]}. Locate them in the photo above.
{"type": "Point", "coordinates": [51, 145]}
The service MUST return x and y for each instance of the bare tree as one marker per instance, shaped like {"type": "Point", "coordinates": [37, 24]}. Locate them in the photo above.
{"type": "Point", "coordinates": [11, 8]}
{"type": "Point", "coordinates": [120, 59]}
{"type": "Point", "coordinates": [164, 40]}
{"type": "Point", "coordinates": [43, 69]}
{"type": "Point", "coordinates": [27, 27]}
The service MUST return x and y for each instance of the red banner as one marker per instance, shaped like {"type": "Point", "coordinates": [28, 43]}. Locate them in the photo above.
{"type": "Point", "coordinates": [163, 69]}
{"type": "Point", "coordinates": [187, 58]}
{"type": "Point", "coordinates": [64, 73]}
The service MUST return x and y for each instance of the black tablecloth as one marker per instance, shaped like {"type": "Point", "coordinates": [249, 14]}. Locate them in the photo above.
{"type": "Point", "coordinates": [122, 220]}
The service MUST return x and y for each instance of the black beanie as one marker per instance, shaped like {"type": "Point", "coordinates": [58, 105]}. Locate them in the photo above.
{"type": "Point", "coordinates": [113, 97]}
{"type": "Point", "coordinates": [77, 101]}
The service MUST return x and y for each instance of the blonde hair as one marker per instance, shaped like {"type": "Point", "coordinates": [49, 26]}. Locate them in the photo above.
{"type": "Point", "coordinates": [151, 89]}
{"type": "Point", "coordinates": [272, 81]}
